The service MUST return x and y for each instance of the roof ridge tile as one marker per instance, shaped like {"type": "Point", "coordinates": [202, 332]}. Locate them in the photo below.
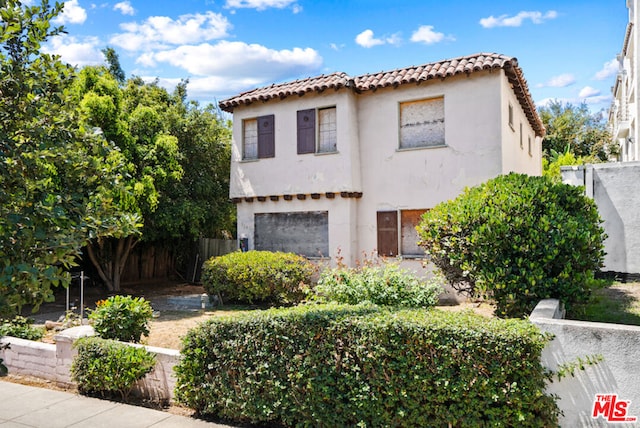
{"type": "Point", "coordinates": [413, 74]}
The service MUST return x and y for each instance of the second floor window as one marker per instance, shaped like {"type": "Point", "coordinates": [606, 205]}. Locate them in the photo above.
{"type": "Point", "coordinates": [422, 123]}
{"type": "Point", "coordinates": [258, 138]}
{"type": "Point", "coordinates": [317, 139]}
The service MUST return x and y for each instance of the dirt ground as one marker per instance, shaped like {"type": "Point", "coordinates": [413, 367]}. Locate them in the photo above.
{"type": "Point", "coordinates": [170, 324]}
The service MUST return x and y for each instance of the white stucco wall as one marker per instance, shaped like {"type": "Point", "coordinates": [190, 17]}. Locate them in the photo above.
{"type": "Point", "coordinates": [395, 179]}
{"type": "Point", "coordinates": [291, 173]}
{"type": "Point", "coordinates": [613, 188]}
{"type": "Point", "coordinates": [515, 144]}
{"type": "Point", "coordinates": [618, 372]}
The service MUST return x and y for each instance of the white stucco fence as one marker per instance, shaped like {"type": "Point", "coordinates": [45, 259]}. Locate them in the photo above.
{"type": "Point", "coordinates": [618, 373]}
{"type": "Point", "coordinates": [52, 362]}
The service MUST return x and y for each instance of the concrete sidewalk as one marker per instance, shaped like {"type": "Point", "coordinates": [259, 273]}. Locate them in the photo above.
{"type": "Point", "coordinates": [26, 406]}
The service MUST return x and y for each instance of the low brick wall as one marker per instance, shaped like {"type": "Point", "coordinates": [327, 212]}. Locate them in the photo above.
{"type": "Point", "coordinates": [25, 357]}
{"type": "Point", "coordinates": [618, 373]}
{"type": "Point", "coordinates": [52, 362]}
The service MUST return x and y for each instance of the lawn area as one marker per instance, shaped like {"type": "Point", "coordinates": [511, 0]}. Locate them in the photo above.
{"type": "Point", "coordinates": [619, 303]}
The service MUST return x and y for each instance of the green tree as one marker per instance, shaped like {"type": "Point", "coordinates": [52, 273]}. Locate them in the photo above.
{"type": "Point", "coordinates": [60, 183]}
{"type": "Point", "coordinates": [114, 64]}
{"type": "Point", "coordinates": [134, 117]}
{"type": "Point", "coordinates": [551, 164]}
{"type": "Point", "coordinates": [576, 127]}
{"type": "Point", "coordinates": [198, 205]}
{"type": "Point", "coordinates": [177, 156]}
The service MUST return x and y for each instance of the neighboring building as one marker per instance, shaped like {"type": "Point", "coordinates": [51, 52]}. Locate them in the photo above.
{"type": "Point", "coordinates": [339, 166]}
{"type": "Point", "coordinates": [623, 115]}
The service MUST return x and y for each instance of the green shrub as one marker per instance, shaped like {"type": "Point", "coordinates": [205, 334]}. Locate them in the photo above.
{"type": "Point", "coordinates": [386, 284]}
{"type": "Point", "coordinates": [258, 277]}
{"type": "Point", "coordinates": [122, 318]}
{"type": "Point", "coordinates": [22, 328]}
{"type": "Point", "coordinates": [346, 366]}
{"type": "Point", "coordinates": [517, 239]}
{"type": "Point", "coordinates": [106, 366]}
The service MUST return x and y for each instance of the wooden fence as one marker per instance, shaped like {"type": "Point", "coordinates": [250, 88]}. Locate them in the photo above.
{"type": "Point", "coordinates": [207, 248]}
{"type": "Point", "coordinates": [156, 262]}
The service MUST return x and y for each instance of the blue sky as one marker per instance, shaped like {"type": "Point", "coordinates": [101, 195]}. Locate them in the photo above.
{"type": "Point", "coordinates": [566, 48]}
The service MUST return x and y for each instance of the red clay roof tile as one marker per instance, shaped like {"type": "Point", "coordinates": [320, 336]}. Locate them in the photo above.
{"type": "Point", "coordinates": [401, 76]}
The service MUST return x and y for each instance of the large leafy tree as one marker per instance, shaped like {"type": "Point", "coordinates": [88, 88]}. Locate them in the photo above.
{"type": "Point", "coordinates": [575, 129]}
{"type": "Point", "coordinates": [60, 183]}
{"type": "Point", "coordinates": [134, 118]}
{"type": "Point", "coordinates": [198, 205]}
{"type": "Point", "coordinates": [177, 161]}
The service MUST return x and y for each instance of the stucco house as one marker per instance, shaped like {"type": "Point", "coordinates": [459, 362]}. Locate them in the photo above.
{"type": "Point", "coordinates": [341, 166]}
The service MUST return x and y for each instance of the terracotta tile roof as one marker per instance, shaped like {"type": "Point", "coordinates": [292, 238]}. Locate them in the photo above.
{"type": "Point", "coordinates": [401, 76]}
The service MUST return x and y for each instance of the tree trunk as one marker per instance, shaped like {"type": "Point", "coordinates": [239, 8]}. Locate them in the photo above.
{"type": "Point", "coordinates": [109, 256]}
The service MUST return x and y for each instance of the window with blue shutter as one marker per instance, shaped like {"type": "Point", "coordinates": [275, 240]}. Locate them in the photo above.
{"type": "Point", "coordinates": [266, 137]}
{"type": "Point", "coordinates": [306, 131]}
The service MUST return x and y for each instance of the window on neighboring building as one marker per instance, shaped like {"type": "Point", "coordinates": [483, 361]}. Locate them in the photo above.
{"type": "Point", "coordinates": [422, 123]}
{"type": "Point", "coordinates": [258, 139]}
{"type": "Point", "coordinates": [320, 140]}
{"type": "Point", "coordinates": [529, 142]}
{"type": "Point", "coordinates": [390, 242]}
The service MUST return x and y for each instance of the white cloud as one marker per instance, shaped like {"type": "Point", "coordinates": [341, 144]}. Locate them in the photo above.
{"type": "Point", "coordinates": [599, 99]}
{"type": "Point", "coordinates": [239, 60]}
{"type": "Point", "coordinates": [125, 8]}
{"type": "Point", "coordinates": [76, 52]}
{"type": "Point", "coordinates": [262, 4]}
{"type": "Point", "coordinates": [597, 102]}
{"type": "Point", "coordinates": [72, 13]}
{"type": "Point", "coordinates": [609, 69]}
{"type": "Point", "coordinates": [425, 34]}
{"type": "Point", "coordinates": [560, 81]}
{"type": "Point", "coordinates": [588, 92]}
{"type": "Point", "coordinates": [161, 31]}
{"type": "Point", "coordinates": [208, 88]}
{"type": "Point", "coordinates": [517, 20]}
{"type": "Point", "coordinates": [366, 39]}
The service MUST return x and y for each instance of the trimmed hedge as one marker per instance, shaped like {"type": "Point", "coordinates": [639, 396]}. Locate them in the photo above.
{"type": "Point", "coordinates": [517, 239]}
{"type": "Point", "coordinates": [107, 366]}
{"type": "Point", "coordinates": [258, 277]}
{"type": "Point", "coordinates": [123, 318]}
{"type": "Point", "coordinates": [343, 366]}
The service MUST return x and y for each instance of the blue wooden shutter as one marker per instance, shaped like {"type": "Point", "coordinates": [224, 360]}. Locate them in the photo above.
{"type": "Point", "coordinates": [266, 137]}
{"type": "Point", "coordinates": [306, 131]}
